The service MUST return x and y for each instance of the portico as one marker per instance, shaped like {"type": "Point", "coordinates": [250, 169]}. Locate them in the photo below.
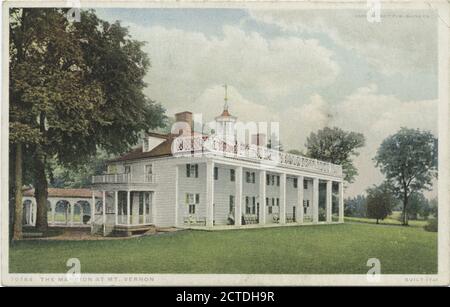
{"type": "Point", "coordinates": [239, 194]}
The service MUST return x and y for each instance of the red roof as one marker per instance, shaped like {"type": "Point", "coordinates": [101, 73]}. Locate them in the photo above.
{"type": "Point", "coordinates": [56, 192]}
{"type": "Point", "coordinates": [162, 150]}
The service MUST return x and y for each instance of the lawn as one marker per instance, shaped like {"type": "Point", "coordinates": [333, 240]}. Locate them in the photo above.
{"type": "Point", "coordinates": [321, 249]}
{"type": "Point", "coordinates": [387, 221]}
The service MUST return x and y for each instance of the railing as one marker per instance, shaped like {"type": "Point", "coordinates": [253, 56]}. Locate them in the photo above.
{"type": "Point", "coordinates": [124, 178]}
{"type": "Point", "coordinates": [199, 145]}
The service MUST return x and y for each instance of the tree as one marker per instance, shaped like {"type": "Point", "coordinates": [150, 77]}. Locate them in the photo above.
{"type": "Point", "coordinates": [356, 206]}
{"type": "Point", "coordinates": [408, 159]}
{"type": "Point", "coordinates": [79, 177]}
{"type": "Point", "coordinates": [418, 205]}
{"type": "Point", "coordinates": [380, 201]}
{"type": "Point", "coordinates": [336, 146]}
{"type": "Point", "coordinates": [78, 87]}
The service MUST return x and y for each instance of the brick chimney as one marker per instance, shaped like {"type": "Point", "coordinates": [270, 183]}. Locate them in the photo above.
{"type": "Point", "coordinates": [259, 139]}
{"type": "Point", "coordinates": [186, 117]}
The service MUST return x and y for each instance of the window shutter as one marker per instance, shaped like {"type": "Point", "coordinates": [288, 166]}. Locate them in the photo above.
{"type": "Point", "coordinates": [196, 170]}
{"type": "Point", "coordinates": [197, 198]}
{"type": "Point", "coordinates": [188, 170]}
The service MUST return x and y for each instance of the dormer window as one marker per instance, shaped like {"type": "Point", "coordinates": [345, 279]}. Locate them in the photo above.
{"type": "Point", "coordinates": [145, 145]}
{"type": "Point", "coordinates": [151, 141]}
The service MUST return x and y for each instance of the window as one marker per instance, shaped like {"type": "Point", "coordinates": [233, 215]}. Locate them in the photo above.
{"type": "Point", "coordinates": [278, 202]}
{"type": "Point", "coordinates": [278, 180]}
{"type": "Point", "coordinates": [267, 179]}
{"type": "Point", "coordinates": [127, 169]}
{"type": "Point", "coordinates": [273, 201]}
{"type": "Point", "coordinates": [272, 180]}
{"type": "Point", "coordinates": [254, 205]}
{"type": "Point", "coordinates": [192, 200]}
{"type": "Point", "coordinates": [231, 210]}
{"type": "Point", "coordinates": [305, 184]}
{"type": "Point", "coordinates": [216, 173]}
{"type": "Point", "coordinates": [149, 172]}
{"type": "Point", "coordinates": [192, 170]}
{"type": "Point", "coordinates": [270, 209]}
{"type": "Point", "coordinates": [267, 201]}
{"type": "Point", "coordinates": [295, 183]}
{"type": "Point", "coordinates": [247, 205]}
{"type": "Point", "coordinates": [250, 177]}
{"type": "Point", "coordinates": [232, 175]}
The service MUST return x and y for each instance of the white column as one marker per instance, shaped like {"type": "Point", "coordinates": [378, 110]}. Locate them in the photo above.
{"type": "Point", "coordinates": [329, 200]}
{"type": "Point", "coordinates": [341, 202]}
{"type": "Point", "coordinates": [283, 199]}
{"type": "Point", "coordinates": [238, 197]}
{"type": "Point", "coordinates": [34, 205]}
{"type": "Point", "coordinates": [262, 198]}
{"type": "Point", "coordinates": [30, 214]}
{"type": "Point", "coordinates": [209, 193]}
{"type": "Point", "coordinates": [153, 207]}
{"type": "Point", "coordinates": [104, 211]}
{"type": "Point", "coordinates": [300, 193]}
{"type": "Point", "coordinates": [72, 207]}
{"type": "Point", "coordinates": [92, 211]}
{"type": "Point", "coordinates": [144, 204]}
{"type": "Point", "coordinates": [315, 200]}
{"type": "Point", "coordinates": [116, 206]}
{"type": "Point", "coordinates": [52, 206]}
{"type": "Point", "coordinates": [128, 208]}
{"type": "Point", "coordinates": [176, 198]}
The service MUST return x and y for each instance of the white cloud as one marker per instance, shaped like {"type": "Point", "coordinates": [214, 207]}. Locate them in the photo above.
{"type": "Point", "coordinates": [398, 44]}
{"type": "Point", "coordinates": [186, 63]}
{"type": "Point", "coordinates": [378, 116]}
{"type": "Point", "coordinates": [189, 68]}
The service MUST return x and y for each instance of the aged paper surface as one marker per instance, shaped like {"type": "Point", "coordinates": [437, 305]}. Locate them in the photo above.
{"type": "Point", "coordinates": [225, 143]}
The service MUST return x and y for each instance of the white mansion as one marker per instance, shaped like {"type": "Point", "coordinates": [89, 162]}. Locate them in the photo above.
{"type": "Point", "coordinates": [194, 180]}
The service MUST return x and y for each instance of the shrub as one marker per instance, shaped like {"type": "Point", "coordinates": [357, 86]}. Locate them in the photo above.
{"type": "Point", "coordinates": [432, 225]}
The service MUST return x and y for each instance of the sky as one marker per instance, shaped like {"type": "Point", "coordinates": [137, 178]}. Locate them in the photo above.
{"type": "Point", "coordinates": [306, 69]}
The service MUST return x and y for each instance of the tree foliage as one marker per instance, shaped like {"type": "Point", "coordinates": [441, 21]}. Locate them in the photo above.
{"type": "Point", "coordinates": [336, 146]}
{"type": "Point", "coordinates": [74, 88]}
{"type": "Point", "coordinates": [380, 201]}
{"type": "Point", "coordinates": [408, 159]}
{"type": "Point", "coordinates": [356, 206]}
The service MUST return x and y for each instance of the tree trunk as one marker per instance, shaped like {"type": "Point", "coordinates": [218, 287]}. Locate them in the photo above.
{"type": "Point", "coordinates": [18, 208]}
{"type": "Point", "coordinates": [405, 210]}
{"type": "Point", "coordinates": [40, 192]}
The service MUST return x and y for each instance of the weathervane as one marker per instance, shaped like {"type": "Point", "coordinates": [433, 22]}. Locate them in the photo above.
{"type": "Point", "coordinates": [225, 107]}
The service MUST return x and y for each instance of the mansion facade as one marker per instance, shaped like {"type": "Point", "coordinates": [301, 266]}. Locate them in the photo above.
{"type": "Point", "coordinates": [199, 181]}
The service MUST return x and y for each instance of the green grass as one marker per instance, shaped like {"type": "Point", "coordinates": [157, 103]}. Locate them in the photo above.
{"type": "Point", "coordinates": [322, 249]}
{"type": "Point", "coordinates": [387, 221]}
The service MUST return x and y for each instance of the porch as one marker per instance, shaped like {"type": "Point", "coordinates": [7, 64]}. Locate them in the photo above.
{"type": "Point", "coordinates": [124, 213]}
{"type": "Point", "coordinates": [219, 194]}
